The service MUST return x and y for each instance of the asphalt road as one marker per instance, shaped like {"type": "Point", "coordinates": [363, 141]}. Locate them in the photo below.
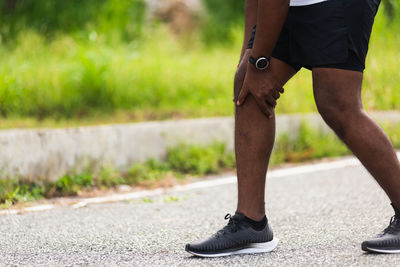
{"type": "Point", "coordinates": [320, 219]}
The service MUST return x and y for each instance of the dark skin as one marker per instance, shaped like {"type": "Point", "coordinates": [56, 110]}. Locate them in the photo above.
{"type": "Point", "coordinates": [254, 139]}
{"type": "Point", "coordinates": [337, 95]}
{"type": "Point", "coordinates": [270, 16]}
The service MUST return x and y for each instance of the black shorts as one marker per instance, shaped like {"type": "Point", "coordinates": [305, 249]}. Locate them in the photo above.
{"type": "Point", "coordinates": [334, 34]}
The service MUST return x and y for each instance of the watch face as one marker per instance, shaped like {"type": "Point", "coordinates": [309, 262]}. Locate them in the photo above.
{"type": "Point", "coordinates": [262, 63]}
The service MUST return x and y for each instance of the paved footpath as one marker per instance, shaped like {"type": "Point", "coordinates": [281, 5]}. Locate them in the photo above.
{"type": "Point", "coordinates": [320, 217]}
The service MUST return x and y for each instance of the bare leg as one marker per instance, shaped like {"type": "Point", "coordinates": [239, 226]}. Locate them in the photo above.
{"type": "Point", "coordinates": [254, 139]}
{"type": "Point", "coordinates": [338, 97]}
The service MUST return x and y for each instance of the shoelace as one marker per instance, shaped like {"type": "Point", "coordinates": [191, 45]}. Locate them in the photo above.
{"type": "Point", "coordinates": [393, 225]}
{"type": "Point", "coordinates": [231, 227]}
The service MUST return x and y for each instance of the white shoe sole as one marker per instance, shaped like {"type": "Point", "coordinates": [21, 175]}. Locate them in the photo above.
{"type": "Point", "coordinates": [382, 250]}
{"type": "Point", "coordinates": [250, 249]}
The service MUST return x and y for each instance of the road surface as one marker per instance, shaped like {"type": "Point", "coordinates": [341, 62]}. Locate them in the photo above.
{"type": "Point", "coordinates": [320, 217]}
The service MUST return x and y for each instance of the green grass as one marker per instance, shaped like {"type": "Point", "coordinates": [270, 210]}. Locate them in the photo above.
{"type": "Point", "coordinates": [80, 80]}
{"type": "Point", "coordinates": [70, 81]}
{"type": "Point", "coordinates": [194, 159]}
{"type": "Point", "coordinates": [181, 161]}
{"type": "Point", "coordinates": [308, 145]}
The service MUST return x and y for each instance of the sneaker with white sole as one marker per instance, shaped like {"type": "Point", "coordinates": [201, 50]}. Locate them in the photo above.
{"type": "Point", "coordinates": [237, 237]}
{"type": "Point", "coordinates": [389, 240]}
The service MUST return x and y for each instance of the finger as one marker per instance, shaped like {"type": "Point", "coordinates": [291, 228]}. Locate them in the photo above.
{"type": "Point", "coordinates": [264, 107]}
{"type": "Point", "coordinates": [270, 100]}
{"type": "Point", "coordinates": [276, 95]}
{"type": "Point", "coordinates": [242, 96]}
{"type": "Point", "coordinates": [270, 111]}
{"type": "Point", "coordinates": [280, 89]}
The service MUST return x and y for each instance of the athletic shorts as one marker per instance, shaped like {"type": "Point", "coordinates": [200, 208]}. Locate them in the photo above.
{"type": "Point", "coordinates": [332, 34]}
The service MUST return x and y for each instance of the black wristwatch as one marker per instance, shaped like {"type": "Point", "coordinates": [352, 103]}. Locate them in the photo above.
{"type": "Point", "coordinates": [260, 63]}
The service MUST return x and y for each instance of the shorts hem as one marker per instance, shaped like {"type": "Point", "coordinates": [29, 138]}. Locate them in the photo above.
{"type": "Point", "coordinates": [295, 67]}
{"type": "Point", "coordinates": [339, 67]}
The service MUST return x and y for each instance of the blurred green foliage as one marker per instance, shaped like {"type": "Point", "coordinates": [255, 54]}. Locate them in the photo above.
{"type": "Point", "coordinates": [12, 191]}
{"type": "Point", "coordinates": [69, 185]}
{"type": "Point", "coordinates": [124, 18]}
{"type": "Point", "coordinates": [392, 8]}
{"type": "Point", "coordinates": [195, 159]}
{"type": "Point", "coordinates": [221, 17]}
{"type": "Point", "coordinates": [308, 144]}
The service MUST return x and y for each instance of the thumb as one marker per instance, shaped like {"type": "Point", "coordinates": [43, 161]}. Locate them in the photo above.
{"type": "Point", "coordinates": [242, 95]}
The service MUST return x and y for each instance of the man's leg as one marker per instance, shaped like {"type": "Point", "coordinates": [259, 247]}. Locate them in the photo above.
{"type": "Point", "coordinates": [337, 94]}
{"type": "Point", "coordinates": [248, 230]}
{"type": "Point", "coordinates": [254, 139]}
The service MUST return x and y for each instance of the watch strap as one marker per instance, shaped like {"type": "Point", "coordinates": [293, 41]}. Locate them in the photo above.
{"type": "Point", "coordinates": [252, 60]}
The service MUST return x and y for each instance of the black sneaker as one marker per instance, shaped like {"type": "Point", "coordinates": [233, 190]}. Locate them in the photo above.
{"type": "Point", "coordinates": [237, 237]}
{"type": "Point", "coordinates": [389, 240]}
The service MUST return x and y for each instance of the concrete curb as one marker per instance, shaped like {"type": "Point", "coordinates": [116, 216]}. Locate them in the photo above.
{"type": "Point", "coordinates": [49, 153]}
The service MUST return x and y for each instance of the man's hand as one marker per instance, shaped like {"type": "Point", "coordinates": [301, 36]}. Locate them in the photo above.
{"type": "Point", "coordinates": [263, 86]}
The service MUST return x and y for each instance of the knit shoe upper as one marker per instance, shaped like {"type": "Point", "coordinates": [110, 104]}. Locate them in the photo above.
{"type": "Point", "coordinates": [236, 237]}
{"type": "Point", "coordinates": [389, 240]}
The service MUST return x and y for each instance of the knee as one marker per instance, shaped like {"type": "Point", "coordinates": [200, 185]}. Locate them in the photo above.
{"type": "Point", "coordinates": [339, 118]}
{"type": "Point", "coordinates": [331, 116]}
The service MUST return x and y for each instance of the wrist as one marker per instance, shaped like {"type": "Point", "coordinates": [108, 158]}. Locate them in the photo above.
{"type": "Point", "coordinates": [254, 71]}
{"type": "Point", "coordinates": [252, 68]}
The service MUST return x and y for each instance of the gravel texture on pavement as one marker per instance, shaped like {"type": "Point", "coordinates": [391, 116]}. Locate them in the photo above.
{"type": "Point", "coordinates": [320, 219]}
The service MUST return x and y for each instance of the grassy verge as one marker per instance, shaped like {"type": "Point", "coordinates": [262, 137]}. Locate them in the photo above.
{"type": "Point", "coordinates": [181, 161]}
